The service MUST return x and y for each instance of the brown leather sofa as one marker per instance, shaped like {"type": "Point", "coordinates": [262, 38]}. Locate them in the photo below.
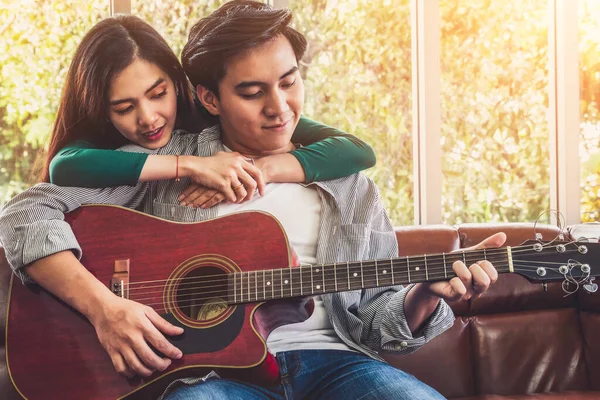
{"type": "Point", "coordinates": [518, 341]}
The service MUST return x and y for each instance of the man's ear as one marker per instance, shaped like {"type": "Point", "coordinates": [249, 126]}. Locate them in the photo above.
{"type": "Point", "coordinates": [208, 100]}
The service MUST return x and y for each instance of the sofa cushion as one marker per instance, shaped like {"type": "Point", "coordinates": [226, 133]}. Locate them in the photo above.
{"type": "Point", "coordinates": [452, 371]}
{"type": "Point", "coordinates": [528, 352]}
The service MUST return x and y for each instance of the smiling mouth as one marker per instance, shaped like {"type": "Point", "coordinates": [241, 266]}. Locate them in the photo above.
{"type": "Point", "coordinates": [278, 126]}
{"type": "Point", "coordinates": [152, 133]}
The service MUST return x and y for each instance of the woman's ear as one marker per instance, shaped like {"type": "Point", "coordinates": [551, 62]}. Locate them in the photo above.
{"type": "Point", "coordinates": [208, 100]}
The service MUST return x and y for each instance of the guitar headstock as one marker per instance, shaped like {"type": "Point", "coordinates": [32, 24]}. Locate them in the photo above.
{"type": "Point", "coordinates": [576, 263]}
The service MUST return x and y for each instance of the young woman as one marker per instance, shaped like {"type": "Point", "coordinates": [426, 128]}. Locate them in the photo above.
{"type": "Point", "coordinates": [80, 152]}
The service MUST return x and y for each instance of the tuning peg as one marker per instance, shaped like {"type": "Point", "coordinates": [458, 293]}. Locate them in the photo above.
{"type": "Point", "coordinates": [545, 286]}
{"type": "Point", "coordinates": [538, 236]}
{"type": "Point", "coordinates": [590, 287]}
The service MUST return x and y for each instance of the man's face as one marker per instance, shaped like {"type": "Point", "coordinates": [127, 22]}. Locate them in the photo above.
{"type": "Point", "coordinates": [260, 99]}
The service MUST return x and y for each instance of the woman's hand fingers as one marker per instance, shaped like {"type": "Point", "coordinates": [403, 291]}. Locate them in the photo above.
{"type": "Point", "coordinates": [256, 176]}
{"type": "Point", "coordinates": [213, 201]}
{"type": "Point", "coordinates": [225, 172]}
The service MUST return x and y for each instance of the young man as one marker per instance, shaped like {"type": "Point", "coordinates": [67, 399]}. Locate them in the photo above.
{"type": "Point", "coordinates": [243, 60]}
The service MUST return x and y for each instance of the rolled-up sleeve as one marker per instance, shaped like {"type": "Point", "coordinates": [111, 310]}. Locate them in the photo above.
{"type": "Point", "coordinates": [32, 224]}
{"type": "Point", "coordinates": [385, 328]}
{"type": "Point", "coordinates": [396, 335]}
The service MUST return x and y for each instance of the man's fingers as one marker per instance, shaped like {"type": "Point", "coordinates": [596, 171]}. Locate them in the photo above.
{"type": "Point", "coordinates": [463, 273]}
{"type": "Point", "coordinates": [135, 364]}
{"type": "Point", "coordinates": [481, 280]}
{"type": "Point", "coordinates": [158, 340]}
{"type": "Point", "coordinates": [489, 269]}
{"type": "Point", "coordinates": [121, 366]}
{"type": "Point", "coordinates": [458, 289]}
{"type": "Point", "coordinates": [496, 240]}
{"type": "Point", "coordinates": [148, 357]}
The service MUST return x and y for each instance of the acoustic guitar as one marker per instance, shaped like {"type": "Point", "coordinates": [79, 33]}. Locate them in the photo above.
{"type": "Point", "coordinates": [211, 278]}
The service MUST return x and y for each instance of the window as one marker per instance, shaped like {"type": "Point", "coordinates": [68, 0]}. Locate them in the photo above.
{"type": "Point", "coordinates": [589, 78]}
{"type": "Point", "coordinates": [358, 78]}
{"type": "Point", "coordinates": [494, 110]}
{"type": "Point", "coordinates": [37, 43]}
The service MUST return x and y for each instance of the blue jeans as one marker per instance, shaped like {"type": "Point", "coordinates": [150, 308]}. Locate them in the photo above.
{"type": "Point", "coordinates": [318, 374]}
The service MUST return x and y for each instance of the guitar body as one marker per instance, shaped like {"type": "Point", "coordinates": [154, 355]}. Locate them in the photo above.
{"type": "Point", "coordinates": [53, 351]}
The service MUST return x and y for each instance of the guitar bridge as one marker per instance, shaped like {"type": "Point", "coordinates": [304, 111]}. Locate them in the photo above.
{"type": "Point", "coordinates": [119, 283]}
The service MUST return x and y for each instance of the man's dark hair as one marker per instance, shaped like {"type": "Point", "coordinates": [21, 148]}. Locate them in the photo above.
{"type": "Point", "coordinates": [233, 29]}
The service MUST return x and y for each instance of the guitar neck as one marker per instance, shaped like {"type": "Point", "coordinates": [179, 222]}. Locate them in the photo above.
{"type": "Point", "coordinates": [308, 280]}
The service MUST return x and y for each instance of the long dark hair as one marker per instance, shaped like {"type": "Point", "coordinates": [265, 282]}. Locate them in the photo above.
{"type": "Point", "coordinates": [106, 50]}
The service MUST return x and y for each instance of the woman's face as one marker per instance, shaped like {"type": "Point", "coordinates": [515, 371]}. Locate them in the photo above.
{"type": "Point", "coordinates": [142, 104]}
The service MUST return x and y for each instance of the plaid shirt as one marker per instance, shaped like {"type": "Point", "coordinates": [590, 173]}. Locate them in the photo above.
{"type": "Point", "coordinates": [354, 226]}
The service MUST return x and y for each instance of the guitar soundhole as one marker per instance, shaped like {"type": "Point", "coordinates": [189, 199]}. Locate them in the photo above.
{"type": "Point", "coordinates": [201, 295]}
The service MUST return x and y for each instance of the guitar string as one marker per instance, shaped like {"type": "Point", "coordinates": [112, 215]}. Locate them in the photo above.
{"type": "Point", "coordinates": [194, 302]}
{"type": "Point", "coordinates": [277, 290]}
{"type": "Point", "coordinates": [233, 304]}
{"type": "Point", "coordinates": [322, 277]}
{"type": "Point", "coordinates": [432, 267]}
{"type": "Point", "coordinates": [222, 284]}
{"type": "Point", "coordinates": [431, 260]}
{"type": "Point", "coordinates": [414, 258]}
{"type": "Point", "coordinates": [188, 303]}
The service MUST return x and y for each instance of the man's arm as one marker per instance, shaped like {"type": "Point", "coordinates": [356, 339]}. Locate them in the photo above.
{"type": "Point", "coordinates": [124, 327]}
{"type": "Point", "coordinates": [392, 321]}
{"type": "Point", "coordinates": [403, 319]}
{"type": "Point", "coordinates": [471, 281]}
{"type": "Point", "coordinates": [40, 246]}
{"type": "Point", "coordinates": [32, 224]}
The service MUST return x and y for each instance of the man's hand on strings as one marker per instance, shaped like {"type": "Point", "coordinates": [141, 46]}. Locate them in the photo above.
{"type": "Point", "coordinates": [470, 281]}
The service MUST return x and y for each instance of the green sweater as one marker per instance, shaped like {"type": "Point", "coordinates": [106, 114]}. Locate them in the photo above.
{"type": "Point", "coordinates": [327, 153]}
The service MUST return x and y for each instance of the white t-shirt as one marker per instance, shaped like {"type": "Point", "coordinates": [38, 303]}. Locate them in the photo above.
{"type": "Point", "coordinates": [298, 208]}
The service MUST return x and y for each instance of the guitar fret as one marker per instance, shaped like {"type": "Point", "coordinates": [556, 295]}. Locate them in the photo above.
{"type": "Point", "coordinates": [329, 274]}
{"type": "Point", "coordinates": [301, 285]}
{"type": "Point", "coordinates": [288, 280]}
{"type": "Point", "coordinates": [348, 270]}
{"type": "Point", "coordinates": [308, 280]}
{"type": "Point", "coordinates": [356, 281]}
{"type": "Point", "coordinates": [362, 276]}
{"type": "Point", "coordinates": [272, 285]}
{"type": "Point", "coordinates": [335, 276]}
{"type": "Point", "coordinates": [383, 276]}
{"type": "Point", "coordinates": [445, 267]}
{"type": "Point", "coordinates": [241, 287]}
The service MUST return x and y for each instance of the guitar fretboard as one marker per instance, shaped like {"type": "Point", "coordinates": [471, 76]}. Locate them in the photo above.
{"type": "Point", "coordinates": [308, 280]}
